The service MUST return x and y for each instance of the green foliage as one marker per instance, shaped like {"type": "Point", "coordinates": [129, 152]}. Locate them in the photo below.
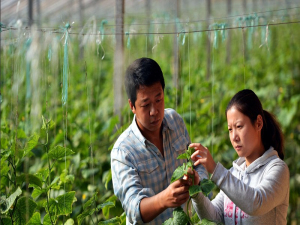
{"type": "Point", "coordinates": [206, 186]}
{"type": "Point", "coordinates": [24, 210]}
{"type": "Point", "coordinates": [179, 218]}
{"type": "Point", "coordinates": [62, 205]}
{"type": "Point", "coordinates": [59, 152]}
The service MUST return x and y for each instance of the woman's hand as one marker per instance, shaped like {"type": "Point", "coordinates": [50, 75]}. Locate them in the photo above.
{"type": "Point", "coordinates": [203, 156]}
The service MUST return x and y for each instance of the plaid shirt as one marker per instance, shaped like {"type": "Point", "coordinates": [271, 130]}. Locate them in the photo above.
{"type": "Point", "coordinates": [139, 170]}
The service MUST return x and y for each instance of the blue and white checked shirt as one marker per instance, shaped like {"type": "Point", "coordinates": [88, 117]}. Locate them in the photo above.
{"type": "Point", "coordinates": [139, 170]}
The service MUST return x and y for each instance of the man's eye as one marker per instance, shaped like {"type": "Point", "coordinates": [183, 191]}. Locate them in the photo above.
{"type": "Point", "coordinates": [144, 106]}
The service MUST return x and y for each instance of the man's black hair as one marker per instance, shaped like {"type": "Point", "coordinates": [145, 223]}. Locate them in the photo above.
{"type": "Point", "coordinates": [142, 72]}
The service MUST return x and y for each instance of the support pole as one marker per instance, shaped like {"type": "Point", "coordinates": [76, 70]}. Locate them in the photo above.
{"type": "Point", "coordinates": [119, 59]}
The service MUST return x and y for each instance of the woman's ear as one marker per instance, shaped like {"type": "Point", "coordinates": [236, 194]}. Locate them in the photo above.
{"type": "Point", "coordinates": [259, 122]}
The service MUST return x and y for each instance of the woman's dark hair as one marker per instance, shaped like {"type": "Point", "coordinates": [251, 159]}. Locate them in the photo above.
{"type": "Point", "coordinates": [247, 102]}
{"type": "Point", "coordinates": [142, 72]}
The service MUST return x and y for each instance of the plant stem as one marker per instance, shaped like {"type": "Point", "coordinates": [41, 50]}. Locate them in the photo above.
{"type": "Point", "coordinates": [48, 208]}
{"type": "Point", "coordinates": [187, 211]}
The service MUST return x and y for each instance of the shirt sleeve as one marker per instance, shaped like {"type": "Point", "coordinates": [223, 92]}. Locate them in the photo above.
{"type": "Point", "coordinates": [211, 210]}
{"type": "Point", "coordinates": [127, 185]}
{"type": "Point", "coordinates": [258, 200]}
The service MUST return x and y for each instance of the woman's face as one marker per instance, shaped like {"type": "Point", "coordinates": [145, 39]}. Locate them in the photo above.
{"type": "Point", "coordinates": [245, 137]}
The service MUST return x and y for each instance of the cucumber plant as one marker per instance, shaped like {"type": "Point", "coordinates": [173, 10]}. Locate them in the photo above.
{"type": "Point", "coordinates": [17, 207]}
{"type": "Point", "coordinates": [206, 186]}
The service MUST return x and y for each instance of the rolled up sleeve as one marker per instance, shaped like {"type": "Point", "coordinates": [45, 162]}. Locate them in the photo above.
{"type": "Point", "coordinates": [127, 185]}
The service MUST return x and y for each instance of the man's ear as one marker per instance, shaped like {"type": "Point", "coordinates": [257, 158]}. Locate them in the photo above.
{"type": "Point", "coordinates": [259, 122]}
{"type": "Point", "coordinates": [131, 106]}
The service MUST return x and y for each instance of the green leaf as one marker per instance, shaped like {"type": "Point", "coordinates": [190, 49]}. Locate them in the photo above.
{"type": "Point", "coordinates": [90, 203]}
{"type": "Point", "coordinates": [195, 219]}
{"type": "Point", "coordinates": [59, 152]}
{"type": "Point", "coordinates": [70, 221]}
{"type": "Point", "coordinates": [47, 220]}
{"type": "Point", "coordinates": [106, 178]}
{"type": "Point", "coordinates": [179, 218]}
{"type": "Point", "coordinates": [183, 156]}
{"type": "Point", "coordinates": [194, 189]}
{"type": "Point", "coordinates": [24, 210]}
{"type": "Point", "coordinates": [35, 219]}
{"type": "Point", "coordinates": [37, 192]}
{"type": "Point", "coordinates": [88, 208]}
{"type": "Point", "coordinates": [43, 174]}
{"type": "Point", "coordinates": [101, 206]}
{"type": "Point", "coordinates": [62, 205]}
{"type": "Point", "coordinates": [178, 173]}
{"type": "Point", "coordinates": [21, 134]}
{"type": "Point", "coordinates": [5, 205]}
{"type": "Point", "coordinates": [5, 154]}
{"type": "Point", "coordinates": [6, 221]}
{"type": "Point", "coordinates": [113, 221]}
{"type": "Point", "coordinates": [207, 186]}
{"type": "Point", "coordinates": [33, 141]}
{"type": "Point", "coordinates": [30, 179]}
{"type": "Point", "coordinates": [190, 152]}
{"type": "Point", "coordinates": [65, 178]}
{"type": "Point", "coordinates": [83, 215]}
{"type": "Point", "coordinates": [89, 172]}
{"type": "Point", "coordinates": [109, 210]}
{"type": "Point", "coordinates": [209, 222]}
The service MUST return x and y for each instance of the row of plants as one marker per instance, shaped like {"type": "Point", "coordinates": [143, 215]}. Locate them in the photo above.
{"type": "Point", "coordinates": [55, 157]}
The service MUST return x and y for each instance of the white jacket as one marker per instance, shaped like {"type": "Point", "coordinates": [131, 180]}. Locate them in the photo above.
{"type": "Point", "coordinates": [257, 194]}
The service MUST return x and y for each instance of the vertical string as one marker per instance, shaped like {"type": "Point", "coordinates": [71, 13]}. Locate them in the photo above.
{"type": "Point", "coordinates": [213, 103]}
{"type": "Point", "coordinates": [90, 132]}
{"type": "Point", "coordinates": [146, 45]}
{"type": "Point", "coordinates": [190, 86]}
{"type": "Point", "coordinates": [243, 32]}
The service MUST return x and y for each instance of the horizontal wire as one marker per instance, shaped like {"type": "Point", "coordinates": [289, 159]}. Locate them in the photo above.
{"type": "Point", "coordinates": [193, 21]}
{"type": "Point", "coordinates": [159, 33]}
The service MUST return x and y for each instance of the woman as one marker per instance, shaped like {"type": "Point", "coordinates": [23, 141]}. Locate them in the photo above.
{"type": "Point", "coordinates": [256, 189]}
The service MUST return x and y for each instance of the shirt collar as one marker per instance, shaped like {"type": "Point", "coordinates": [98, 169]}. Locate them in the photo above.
{"type": "Point", "coordinates": [135, 129]}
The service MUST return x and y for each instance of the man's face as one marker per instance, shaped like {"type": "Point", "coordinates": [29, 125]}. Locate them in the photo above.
{"type": "Point", "coordinates": [149, 108]}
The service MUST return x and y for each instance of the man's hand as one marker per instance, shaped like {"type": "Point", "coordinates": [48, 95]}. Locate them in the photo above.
{"type": "Point", "coordinates": [173, 196]}
{"type": "Point", "coordinates": [176, 194]}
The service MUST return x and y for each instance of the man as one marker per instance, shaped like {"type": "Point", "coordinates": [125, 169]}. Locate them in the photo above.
{"type": "Point", "coordinates": [144, 157]}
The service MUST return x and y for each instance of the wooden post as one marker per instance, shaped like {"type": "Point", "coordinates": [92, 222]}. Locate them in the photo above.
{"type": "Point", "coordinates": [119, 59]}
{"type": "Point", "coordinates": [80, 11]}
{"type": "Point", "coordinates": [254, 6]}
{"type": "Point", "coordinates": [208, 47]}
{"type": "Point", "coordinates": [148, 15]}
{"type": "Point", "coordinates": [245, 52]}
{"type": "Point", "coordinates": [38, 2]}
{"type": "Point", "coordinates": [30, 12]}
{"type": "Point", "coordinates": [176, 49]}
{"type": "Point", "coordinates": [228, 47]}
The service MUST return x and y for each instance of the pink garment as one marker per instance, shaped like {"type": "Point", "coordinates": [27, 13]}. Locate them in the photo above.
{"type": "Point", "coordinates": [229, 211]}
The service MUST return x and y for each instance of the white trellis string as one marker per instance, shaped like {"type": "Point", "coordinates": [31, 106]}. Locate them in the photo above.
{"type": "Point", "coordinates": [190, 85]}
